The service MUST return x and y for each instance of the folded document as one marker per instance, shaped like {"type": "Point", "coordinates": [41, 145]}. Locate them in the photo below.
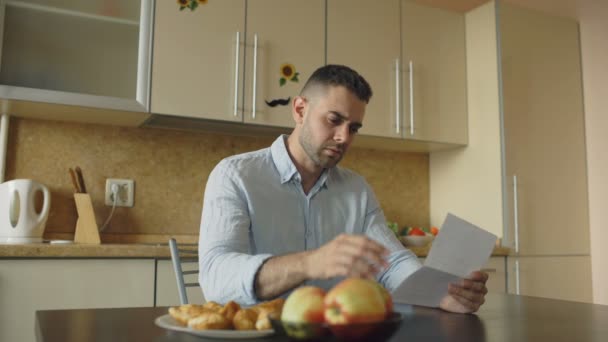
{"type": "Point", "coordinates": [459, 249]}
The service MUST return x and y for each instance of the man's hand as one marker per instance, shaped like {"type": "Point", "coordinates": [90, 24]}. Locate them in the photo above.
{"type": "Point", "coordinates": [467, 296]}
{"type": "Point", "coordinates": [346, 255]}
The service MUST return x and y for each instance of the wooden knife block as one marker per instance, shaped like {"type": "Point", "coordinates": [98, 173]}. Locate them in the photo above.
{"type": "Point", "coordinates": [86, 226]}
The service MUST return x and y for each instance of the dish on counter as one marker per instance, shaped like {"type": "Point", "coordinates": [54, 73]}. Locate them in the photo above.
{"type": "Point", "coordinates": [416, 240]}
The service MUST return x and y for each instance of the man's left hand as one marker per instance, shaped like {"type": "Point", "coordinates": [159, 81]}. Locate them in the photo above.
{"type": "Point", "coordinates": [466, 296]}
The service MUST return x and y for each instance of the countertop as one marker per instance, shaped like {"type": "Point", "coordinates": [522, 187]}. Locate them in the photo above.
{"type": "Point", "coordinates": [126, 250]}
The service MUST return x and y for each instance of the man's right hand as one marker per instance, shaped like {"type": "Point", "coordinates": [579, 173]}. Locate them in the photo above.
{"type": "Point", "coordinates": [346, 256]}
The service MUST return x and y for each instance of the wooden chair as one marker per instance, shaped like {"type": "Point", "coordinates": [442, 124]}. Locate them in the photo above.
{"type": "Point", "coordinates": [181, 256]}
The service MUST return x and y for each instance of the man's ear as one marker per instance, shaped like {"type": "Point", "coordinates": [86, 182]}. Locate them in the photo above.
{"type": "Point", "coordinates": [298, 108]}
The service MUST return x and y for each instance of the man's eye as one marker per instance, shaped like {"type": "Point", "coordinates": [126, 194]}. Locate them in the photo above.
{"type": "Point", "coordinates": [335, 120]}
{"type": "Point", "coordinates": [354, 129]}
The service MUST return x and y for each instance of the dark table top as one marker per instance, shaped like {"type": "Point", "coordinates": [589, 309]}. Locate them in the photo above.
{"type": "Point", "coordinates": [503, 318]}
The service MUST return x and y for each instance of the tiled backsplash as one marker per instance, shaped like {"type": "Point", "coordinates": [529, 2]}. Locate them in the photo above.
{"type": "Point", "coordinates": [170, 169]}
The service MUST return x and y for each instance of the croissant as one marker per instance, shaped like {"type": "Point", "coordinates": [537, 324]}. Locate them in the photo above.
{"type": "Point", "coordinates": [209, 320]}
{"type": "Point", "coordinates": [184, 313]}
{"type": "Point", "coordinates": [245, 319]}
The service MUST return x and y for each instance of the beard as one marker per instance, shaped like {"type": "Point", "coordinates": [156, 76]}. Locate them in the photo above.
{"type": "Point", "coordinates": [316, 153]}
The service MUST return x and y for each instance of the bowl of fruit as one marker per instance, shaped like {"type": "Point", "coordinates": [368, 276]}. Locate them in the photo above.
{"type": "Point", "coordinates": [355, 309]}
{"type": "Point", "coordinates": [414, 236]}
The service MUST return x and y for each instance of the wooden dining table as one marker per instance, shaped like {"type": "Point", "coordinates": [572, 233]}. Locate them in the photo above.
{"type": "Point", "coordinates": [503, 317]}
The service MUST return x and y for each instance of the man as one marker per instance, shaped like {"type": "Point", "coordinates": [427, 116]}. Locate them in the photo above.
{"type": "Point", "coordinates": [279, 217]}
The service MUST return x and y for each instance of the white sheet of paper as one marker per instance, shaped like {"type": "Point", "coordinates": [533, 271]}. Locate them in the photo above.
{"type": "Point", "coordinates": [459, 249]}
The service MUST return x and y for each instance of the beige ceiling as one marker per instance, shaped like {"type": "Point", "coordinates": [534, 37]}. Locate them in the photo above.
{"type": "Point", "coordinates": [566, 8]}
{"type": "Point", "coordinates": [453, 5]}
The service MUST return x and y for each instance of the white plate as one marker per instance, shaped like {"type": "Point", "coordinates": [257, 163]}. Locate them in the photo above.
{"type": "Point", "coordinates": [167, 322]}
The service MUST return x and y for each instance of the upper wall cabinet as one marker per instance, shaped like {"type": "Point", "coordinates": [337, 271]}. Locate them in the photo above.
{"type": "Point", "coordinates": [208, 64]}
{"type": "Point", "coordinates": [197, 59]}
{"type": "Point", "coordinates": [286, 44]}
{"type": "Point", "coordinates": [365, 35]}
{"type": "Point", "coordinates": [434, 59]}
{"type": "Point", "coordinates": [83, 53]}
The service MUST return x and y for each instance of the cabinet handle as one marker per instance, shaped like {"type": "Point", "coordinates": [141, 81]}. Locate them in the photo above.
{"type": "Point", "coordinates": [411, 98]}
{"type": "Point", "coordinates": [515, 215]}
{"type": "Point", "coordinates": [397, 95]}
{"type": "Point", "coordinates": [255, 73]}
{"type": "Point", "coordinates": [236, 73]}
{"type": "Point", "coordinates": [517, 290]}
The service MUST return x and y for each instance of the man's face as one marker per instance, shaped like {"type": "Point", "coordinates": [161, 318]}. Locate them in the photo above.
{"type": "Point", "coordinates": [332, 117]}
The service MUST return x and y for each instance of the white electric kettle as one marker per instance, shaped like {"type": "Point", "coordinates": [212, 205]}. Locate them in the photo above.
{"type": "Point", "coordinates": [19, 221]}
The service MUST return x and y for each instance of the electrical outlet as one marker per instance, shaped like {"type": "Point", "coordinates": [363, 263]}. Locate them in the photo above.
{"type": "Point", "coordinates": [126, 192]}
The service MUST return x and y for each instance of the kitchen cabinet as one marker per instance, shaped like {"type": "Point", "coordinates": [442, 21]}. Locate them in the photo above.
{"type": "Point", "coordinates": [496, 268]}
{"type": "Point", "coordinates": [523, 173]}
{"type": "Point", "coordinates": [92, 54]}
{"type": "Point", "coordinates": [544, 134]}
{"type": "Point", "coordinates": [416, 70]}
{"type": "Point", "coordinates": [545, 160]}
{"type": "Point", "coordinates": [166, 286]}
{"type": "Point", "coordinates": [364, 35]}
{"type": "Point", "coordinates": [30, 285]}
{"type": "Point", "coordinates": [233, 60]}
{"type": "Point", "coordinates": [557, 277]}
{"type": "Point", "coordinates": [434, 59]}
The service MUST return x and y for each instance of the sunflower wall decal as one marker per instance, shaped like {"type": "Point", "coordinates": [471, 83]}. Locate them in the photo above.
{"type": "Point", "coordinates": [191, 4]}
{"type": "Point", "coordinates": [288, 73]}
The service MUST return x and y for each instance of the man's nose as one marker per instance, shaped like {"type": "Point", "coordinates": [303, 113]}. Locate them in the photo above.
{"type": "Point", "coordinates": [342, 134]}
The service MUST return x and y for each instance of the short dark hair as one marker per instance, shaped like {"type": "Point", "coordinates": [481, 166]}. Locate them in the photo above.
{"type": "Point", "coordinates": [340, 75]}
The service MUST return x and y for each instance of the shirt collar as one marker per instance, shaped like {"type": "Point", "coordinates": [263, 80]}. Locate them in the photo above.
{"type": "Point", "coordinates": [285, 166]}
{"type": "Point", "coordinates": [281, 159]}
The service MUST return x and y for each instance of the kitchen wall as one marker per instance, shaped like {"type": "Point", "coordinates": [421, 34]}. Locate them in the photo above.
{"type": "Point", "coordinates": [170, 169]}
{"type": "Point", "coordinates": [466, 181]}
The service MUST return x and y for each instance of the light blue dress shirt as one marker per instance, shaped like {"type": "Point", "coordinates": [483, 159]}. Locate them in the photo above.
{"type": "Point", "coordinates": [254, 208]}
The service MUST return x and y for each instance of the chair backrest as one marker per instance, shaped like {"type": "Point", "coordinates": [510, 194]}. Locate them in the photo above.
{"type": "Point", "coordinates": [181, 256]}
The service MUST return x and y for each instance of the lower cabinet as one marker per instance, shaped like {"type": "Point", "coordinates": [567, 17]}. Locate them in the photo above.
{"type": "Point", "coordinates": [556, 277]}
{"type": "Point", "coordinates": [35, 284]}
{"type": "Point", "coordinates": [166, 285]}
{"type": "Point", "coordinates": [497, 272]}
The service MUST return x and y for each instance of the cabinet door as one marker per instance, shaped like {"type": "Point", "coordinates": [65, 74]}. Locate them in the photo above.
{"type": "Point", "coordinates": [31, 285]}
{"type": "Point", "coordinates": [434, 59]}
{"type": "Point", "coordinates": [289, 33]}
{"type": "Point", "coordinates": [84, 53]}
{"type": "Point", "coordinates": [544, 133]}
{"type": "Point", "coordinates": [496, 270]}
{"type": "Point", "coordinates": [559, 277]}
{"type": "Point", "coordinates": [196, 70]}
{"type": "Point", "coordinates": [364, 35]}
{"type": "Point", "coordinates": [166, 285]}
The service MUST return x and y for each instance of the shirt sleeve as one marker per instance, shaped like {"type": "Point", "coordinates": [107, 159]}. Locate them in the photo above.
{"type": "Point", "coordinates": [227, 270]}
{"type": "Point", "coordinates": [402, 262]}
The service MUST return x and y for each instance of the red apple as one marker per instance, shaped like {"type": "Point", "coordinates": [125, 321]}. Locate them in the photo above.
{"type": "Point", "coordinates": [355, 300]}
{"type": "Point", "coordinates": [304, 305]}
{"type": "Point", "coordinates": [388, 299]}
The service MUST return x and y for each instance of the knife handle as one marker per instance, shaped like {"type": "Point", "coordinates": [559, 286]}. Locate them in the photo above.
{"type": "Point", "coordinates": [74, 181]}
{"type": "Point", "coordinates": [83, 188]}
